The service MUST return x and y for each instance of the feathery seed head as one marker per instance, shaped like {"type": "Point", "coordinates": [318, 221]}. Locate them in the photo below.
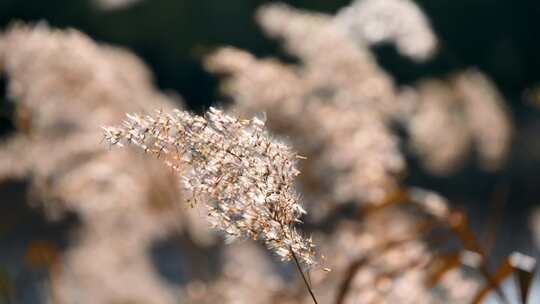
{"type": "Point", "coordinates": [245, 176]}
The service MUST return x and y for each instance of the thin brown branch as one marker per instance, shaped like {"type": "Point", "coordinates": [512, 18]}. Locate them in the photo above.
{"type": "Point", "coordinates": [355, 266]}
{"type": "Point", "coordinates": [459, 224]}
{"type": "Point", "coordinates": [303, 277]}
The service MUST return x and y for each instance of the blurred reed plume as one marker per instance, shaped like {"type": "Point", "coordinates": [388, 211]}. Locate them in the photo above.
{"type": "Point", "coordinates": [384, 240]}
{"type": "Point", "coordinates": [64, 85]}
{"type": "Point", "coordinates": [341, 107]}
{"type": "Point", "coordinates": [374, 22]}
{"type": "Point", "coordinates": [465, 108]}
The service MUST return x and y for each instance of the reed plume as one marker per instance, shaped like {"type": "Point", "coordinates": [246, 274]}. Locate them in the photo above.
{"type": "Point", "coordinates": [245, 176]}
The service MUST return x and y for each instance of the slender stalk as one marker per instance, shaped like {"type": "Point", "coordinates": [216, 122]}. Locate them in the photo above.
{"type": "Point", "coordinates": [303, 277]}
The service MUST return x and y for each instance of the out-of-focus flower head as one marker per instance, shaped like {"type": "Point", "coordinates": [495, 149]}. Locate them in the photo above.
{"type": "Point", "coordinates": [395, 21]}
{"type": "Point", "coordinates": [340, 108]}
{"type": "Point", "coordinates": [64, 86]}
{"type": "Point", "coordinates": [335, 106]}
{"type": "Point", "coordinates": [447, 119]}
{"type": "Point", "coordinates": [248, 277]}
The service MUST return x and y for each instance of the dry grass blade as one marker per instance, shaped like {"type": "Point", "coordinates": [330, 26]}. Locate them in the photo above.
{"type": "Point", "coordinates": [494, 282]}
{"type": "Point", "coordinates": [354, 267]}
{"type": "Point", "coordinates": [441, 266]}
{"type": "Point", "coordinates": [459, 223]}
{"type": "Point", "coordinates": [525, 279]}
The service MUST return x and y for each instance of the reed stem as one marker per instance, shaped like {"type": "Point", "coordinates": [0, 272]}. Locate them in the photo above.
{"type": "Point", "coordinates": [303, 277]}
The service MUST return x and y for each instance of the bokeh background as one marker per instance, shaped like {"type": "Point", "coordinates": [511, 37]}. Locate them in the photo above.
{"type": "Point", "coordinates": [500, 38]}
